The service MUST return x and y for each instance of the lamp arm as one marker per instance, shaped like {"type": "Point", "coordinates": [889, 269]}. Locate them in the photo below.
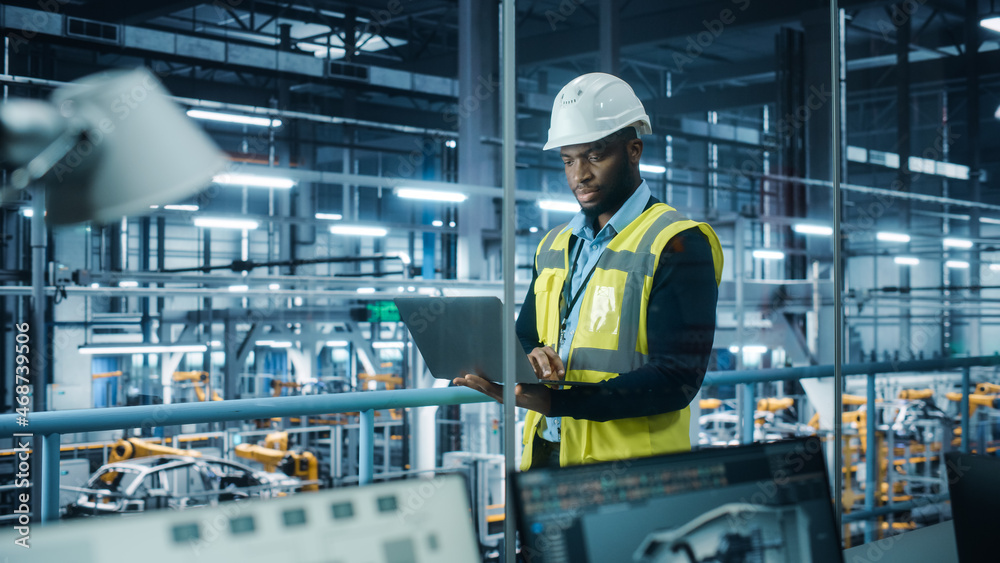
{"type": "Point", "coordinates": [47, 159]}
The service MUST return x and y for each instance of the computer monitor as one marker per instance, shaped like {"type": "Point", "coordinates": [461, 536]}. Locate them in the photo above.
{"type": "Point", "coordinates": [756, 503]}
{"type": "Point", "coordinates": [409, 521]}
{"type": "Point", "coordinates": [975, 494]}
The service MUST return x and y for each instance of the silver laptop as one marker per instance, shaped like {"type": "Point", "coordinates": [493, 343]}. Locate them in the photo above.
{"type": "Point", "coordinates": [461, 335]}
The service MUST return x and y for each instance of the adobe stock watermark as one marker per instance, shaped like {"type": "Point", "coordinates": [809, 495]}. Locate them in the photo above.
{"type": "Point", "coordinates": [563, 12]}
{"type": "Point", "coordinates": [30, 28]}
{"type": "Point", "coordinates": [899, 14]}
{"type": "Point", "coordinates": [764, 497]}
{"type": "Point", "coordinates": [553, 530]}
{"type": "Point", "coordinates": [696, 44]}
{"type": "Point", "coordinates": [422, 318]}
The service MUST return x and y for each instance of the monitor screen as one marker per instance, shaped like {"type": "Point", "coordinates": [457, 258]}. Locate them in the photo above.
{"type": "Point", "coordinates": [764, 503]}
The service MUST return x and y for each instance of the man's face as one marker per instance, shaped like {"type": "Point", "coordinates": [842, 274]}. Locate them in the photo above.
{"type": "Point", "coordinates": [599, 174]}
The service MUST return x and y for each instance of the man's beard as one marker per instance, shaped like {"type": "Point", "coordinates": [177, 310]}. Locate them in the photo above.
{"type": "Point", "coordinates": [618, 192]}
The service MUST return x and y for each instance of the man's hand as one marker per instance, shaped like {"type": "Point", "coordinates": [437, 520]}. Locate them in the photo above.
{"type": "Point", "coordinates": [547, 364]}
{"type": "Point", "coordinates": [532, 397]}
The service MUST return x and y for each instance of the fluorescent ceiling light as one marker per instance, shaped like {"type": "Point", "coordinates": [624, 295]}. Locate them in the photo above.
{"type": "Point", "coordinates": [218, 222]}
{"type": "Point", "coordinates": [95, 285]}
{"type": "Point", "coordinates": [921, 165]}
{"type": "Point", "coordinates": [765, 254]}
{"type": "Point", "coordinates": [181, 207]}
{"type": "Point", "coordinates": [754, 349]}
{"type": "Point", "coordinates": [336, 343]}
{"type": "Point", "coordinates": [274, 343]}
{"type": "Point", "coordinates": [906, 260]}
{"type": "Point", "coordinates": [330, 216]}
{"type": "Point", "coordinates": [652, 168]}
{"type": "Point", "coordinates": [559, 205]}
{"type": "Point", "coordinates": [734, 349]}
{"type": "Point", "coordinates": [238, 288]}
{"type": "Point", "coordinates": [382, 344]}
{"type": "Point", "coordinates": [430, 195]}
{"type": "Point", "coordinates": [957, 243]}
{"type": "Point", "coordinates": [892, 237]}
{"type": "Point", "coordinates": [358, 231]}
{"type": "Point", "coordinates": [366, 290]}
{"type": "Point", "coordinates": [957, 264]}
{"type": "Point", "coordinates": [274, 286]}
{"type": "Point", "coordinates": [141, 349]}
{"type": "Point", "coordinates": [128, 283]}
{"type": "Point", "coordinates": [806, 229]}
{"type": "Point", "coordinates": [27, 212]}
{"type": "Point", "coordinates": [254, 181]}
{"type": "Point", "coordinates": [989, 220]}
{"type": "Point", "coordinates": [991, 23]}
{"type": "Point", "coordinates": [857, 154]}
{"type": "Point", "coordinates": [532, 229]}
{"type": "Point", "coordinates": [234, 118]}
{"type": "Point", "coordinates": [437, 223]}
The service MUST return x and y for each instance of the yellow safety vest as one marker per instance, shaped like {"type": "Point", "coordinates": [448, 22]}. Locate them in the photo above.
{"type": "Point", "coordinates": [610, 337]}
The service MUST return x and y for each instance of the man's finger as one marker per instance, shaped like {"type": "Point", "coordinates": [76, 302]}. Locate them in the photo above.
{"type": "Point", "coordinates": [554, 360]}
{"type": "Point", "coordinates": [535, 364]}
{"type": "Point", "coordinates": [479, 384]}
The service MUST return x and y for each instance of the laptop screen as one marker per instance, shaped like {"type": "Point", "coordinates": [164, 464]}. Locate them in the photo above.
{"type": "Point", "coordinates": [761, 502]}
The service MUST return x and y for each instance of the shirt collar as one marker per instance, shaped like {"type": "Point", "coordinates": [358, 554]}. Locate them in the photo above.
{"type": "Point", "coordinates": [627, 213]}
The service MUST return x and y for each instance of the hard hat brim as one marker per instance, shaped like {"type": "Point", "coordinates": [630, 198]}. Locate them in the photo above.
{"type": "Point", "coordinates": [642, 127]}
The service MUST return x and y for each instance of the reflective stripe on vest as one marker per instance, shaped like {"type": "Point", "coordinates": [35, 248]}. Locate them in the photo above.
{"type": "Point", "coordinates": [610, 338]}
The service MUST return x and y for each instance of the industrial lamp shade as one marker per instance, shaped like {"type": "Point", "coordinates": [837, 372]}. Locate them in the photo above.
{"type": "Point", "coordinates": [135, 148]}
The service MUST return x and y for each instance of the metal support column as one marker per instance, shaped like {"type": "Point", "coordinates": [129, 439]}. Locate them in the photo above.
{"type": "Point", "coordinates": [232, 368]}
{"type": "Point", "coordinates": [510, 345]}
{"type": "Point", "coordinates": [739, 237]}
{"type": "Point", "coordinates": [964, 409]}
{"type": "Point", "coordinates": [973, 330]}
{"type": "Point", "coordinates": [609, 33]}
{"type": "Point", "coordinates": [39, 246]}
{"type": "Point", "coordinates": [904, 143]}
{"type": "Point", "coordinates": [478, 118]}
{"type": "Point", "coordinates": [38, 331]}
{"type": "Point", "coordinates": [871, 458]}
{"type": "Point", "coordinates": [366, 451]}
{"type": "Point", "coordinates": [50, 477]}
{"type": "Point", "coordinates": [838, 78]}
{"type": "Point", "coordinates": [748, 405]}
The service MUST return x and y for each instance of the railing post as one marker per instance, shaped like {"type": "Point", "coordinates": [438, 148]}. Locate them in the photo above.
{"type": "Point", "coordinates": [50, 477]}
{"type": "Point", "coordinates": [749, 407]}
{"type": "Point", "coordinates": [871, 458]}
{"type": "Point", "coordinates": [964, 407]}
{"type": "Point", "coordinates": [366, 451]}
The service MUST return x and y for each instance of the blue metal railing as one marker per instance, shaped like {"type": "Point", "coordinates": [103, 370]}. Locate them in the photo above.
{"type": "Point", "coordinates": [51, 425]}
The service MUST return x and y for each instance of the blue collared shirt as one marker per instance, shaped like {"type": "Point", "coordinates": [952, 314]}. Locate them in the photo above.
{"type": "Point", "coordinates": [593, 246]}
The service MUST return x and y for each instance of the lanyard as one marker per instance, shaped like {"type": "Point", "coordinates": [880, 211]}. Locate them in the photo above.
{"type": "Point", "coordinates": [570, 299]}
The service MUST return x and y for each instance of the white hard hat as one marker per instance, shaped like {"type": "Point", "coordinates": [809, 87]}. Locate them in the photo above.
{"type": "Point", "coordinates": [593, 106]}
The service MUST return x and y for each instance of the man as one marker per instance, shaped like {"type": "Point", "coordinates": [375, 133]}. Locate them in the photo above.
{"type": "Point", "coordinates": [623, 294]}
